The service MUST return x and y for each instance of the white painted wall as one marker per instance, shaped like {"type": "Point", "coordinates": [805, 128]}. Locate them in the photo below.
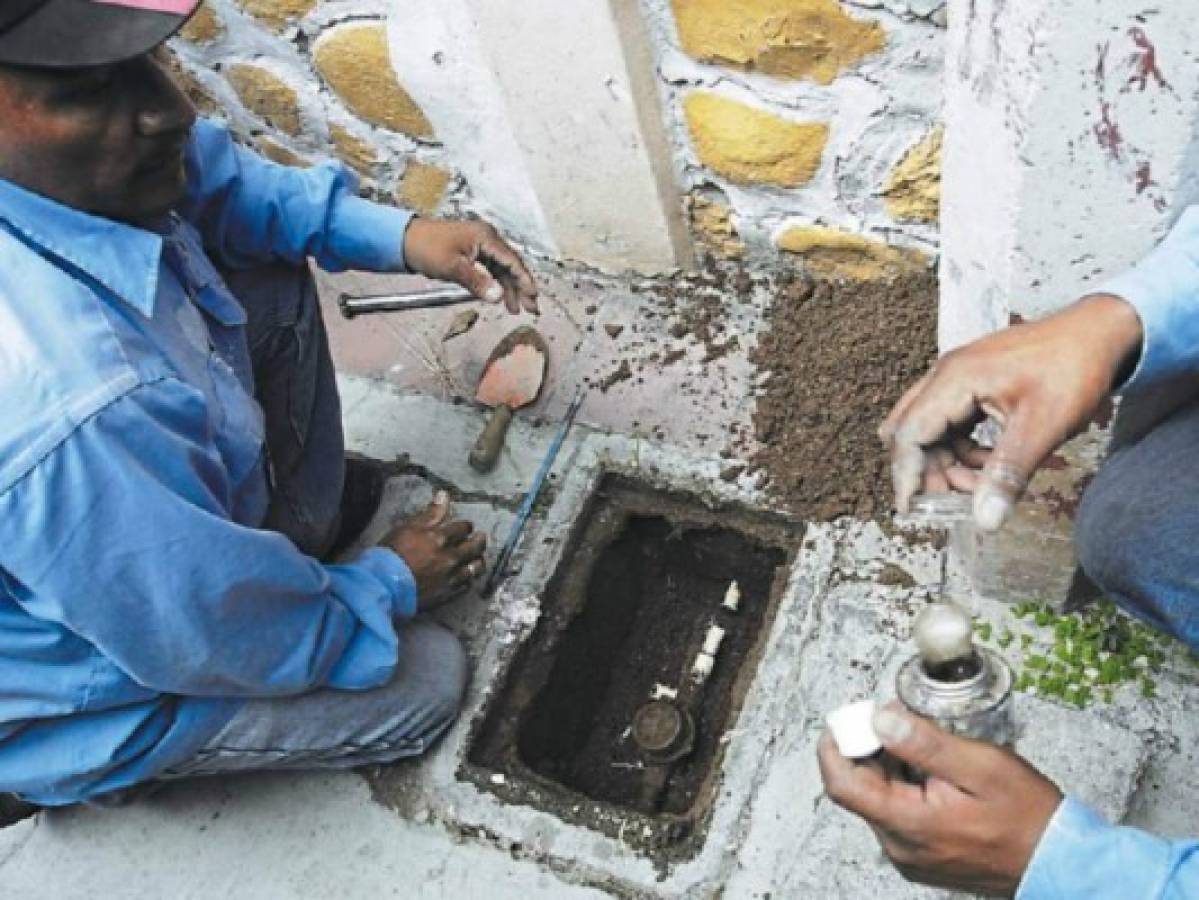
{"type": "Point", "coordinates": [440, 55]}
{"type": "Point", "coordinates": [540, 105]}
{"type": "Point", "coordinates": [1066, 157]}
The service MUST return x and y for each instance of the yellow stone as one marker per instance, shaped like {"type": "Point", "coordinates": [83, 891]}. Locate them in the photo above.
{"type": "Point", "coordinates": [913, 191]}
{"type": "Point", "coordinates": [749, 146]}
{"type": "Point", "coordinates": [355, 62]}
{"type": "Point", "coordinates": [267, 96]}
{"type": "Point", "coordinates": [835, 254]}
{"type": "Point", "coordinates": [423, 187]}
{"type": "Point", "coordinates": [276, 152]}
{"type": "Point", "coordinates": [712, 225]}
{"type": "Point", "coordinates": [810, 39]}
{"type": "Point", "coordinates": [204, 27]}
{"type": "Point", "coordinates": [353, 151]}
{"type": "Point", "coordinates": [278, 14]}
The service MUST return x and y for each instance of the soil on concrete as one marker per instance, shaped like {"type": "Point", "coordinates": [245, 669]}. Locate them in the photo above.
{"type": "Point", "coordinates": [622, 372]}
{"type": "Point", "coordinates": [642, 581]}
{"type": "Point", "coordinates": [694, 311]}
{"type": "Point", "coordinates": [839, 355]}
{"type": "Point", "coordinates": [698, 302]}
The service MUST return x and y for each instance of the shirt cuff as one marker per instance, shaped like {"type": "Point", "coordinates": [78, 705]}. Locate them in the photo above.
{"type": "Point", "coordinates": [1061, 847]}
{"type": "Point", "coordinates": [1164, 290]}
{"type": "Point", "coordinates": [1081, 856]}
{"type": "Point", "coordinates": [389, 568]}
{"type": "Point", "coordinates": [368, 235]}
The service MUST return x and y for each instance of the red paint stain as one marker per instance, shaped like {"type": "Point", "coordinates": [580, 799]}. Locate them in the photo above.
{"type": "Point", "coordinates": [1144, 178]}
{"type": "Point", "coordinates": [1145, 60]}
{"type": "Point", "coordinates": [1107, 132]}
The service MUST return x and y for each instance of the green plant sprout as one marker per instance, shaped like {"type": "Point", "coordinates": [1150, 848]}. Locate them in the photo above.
{"type": "Point", "coordinates": [1080, 657]}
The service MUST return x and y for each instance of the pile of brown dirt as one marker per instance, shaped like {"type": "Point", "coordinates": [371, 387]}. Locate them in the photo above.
{"type": "Point", "coordinates": [839, 356]}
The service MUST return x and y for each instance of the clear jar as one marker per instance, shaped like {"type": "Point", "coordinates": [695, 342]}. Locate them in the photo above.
{"type": "Point", "coordinates": [977, 707]}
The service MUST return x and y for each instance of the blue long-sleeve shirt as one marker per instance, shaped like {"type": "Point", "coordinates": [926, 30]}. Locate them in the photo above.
{"type": "Point", "coordinates": [1080, 855]}
{"type": "Point", "coordinates": [140, 601]}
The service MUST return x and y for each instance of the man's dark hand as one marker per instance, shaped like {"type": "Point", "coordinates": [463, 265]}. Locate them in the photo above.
{"type": "Point", "coordinates": [444, 556]}
{"type": "Point", "coordinates": [472, 254]}
{"type": "Point", "coordinates": [972, 826]}
{"type": "Point", "coordinates": [1041, 382]}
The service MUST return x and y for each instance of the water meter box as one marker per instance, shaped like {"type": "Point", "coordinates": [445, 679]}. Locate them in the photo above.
{"type": "Point", "coordinates": [580, 723]}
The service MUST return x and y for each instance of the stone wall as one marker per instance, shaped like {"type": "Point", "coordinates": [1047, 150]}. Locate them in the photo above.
{"type": "Point", "coordinates": [792, 128]}
{"type": "Point", "coordinates": [304, 80]}
{"type": "Point", "coordinates": [807, 126]}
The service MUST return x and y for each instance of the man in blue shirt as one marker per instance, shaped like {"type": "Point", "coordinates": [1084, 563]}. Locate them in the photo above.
{"type": "Point", "coordinates": [986, 821]}
{"type": "Point", "coordinates": [172, 481]}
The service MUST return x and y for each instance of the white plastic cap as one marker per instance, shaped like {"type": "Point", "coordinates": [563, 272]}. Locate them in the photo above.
{"type": "Point", "coordinates": [853, 729]}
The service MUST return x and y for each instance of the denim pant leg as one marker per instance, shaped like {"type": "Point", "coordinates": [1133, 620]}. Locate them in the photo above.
{"type": "Point", "coordinates": [295, 384]}
{"type": "Point", "coordinates": [1138, 525]}
{"type": "Point", "coordinates": [329, 729]}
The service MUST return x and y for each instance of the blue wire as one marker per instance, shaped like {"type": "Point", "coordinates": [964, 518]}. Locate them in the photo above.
{"type": "Point", "coordinates": [526, 508]}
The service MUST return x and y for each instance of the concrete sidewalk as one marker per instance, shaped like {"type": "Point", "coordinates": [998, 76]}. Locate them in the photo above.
{"type": "Point", "coordinates": [421, 830]}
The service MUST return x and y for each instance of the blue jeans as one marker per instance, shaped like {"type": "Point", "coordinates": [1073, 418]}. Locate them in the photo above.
{"type": "Point", "coordinates": [1138, 524]}
{"type": "Point", "coordinates": [296, 386]}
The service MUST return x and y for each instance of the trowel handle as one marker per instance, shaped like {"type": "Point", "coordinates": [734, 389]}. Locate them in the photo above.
{"type": "Point", "coordinates": [487, 448]}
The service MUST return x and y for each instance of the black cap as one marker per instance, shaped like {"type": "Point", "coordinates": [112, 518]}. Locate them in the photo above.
{"type": "Point", "coordinates": [71, 33]}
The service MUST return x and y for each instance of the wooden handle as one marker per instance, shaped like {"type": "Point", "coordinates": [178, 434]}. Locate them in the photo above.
{"type": "Point", "coordinates": [487, 448]}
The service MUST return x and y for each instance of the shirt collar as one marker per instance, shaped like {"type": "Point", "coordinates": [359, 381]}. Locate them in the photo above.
{"type": "Point", "coordinates": [121, 257]}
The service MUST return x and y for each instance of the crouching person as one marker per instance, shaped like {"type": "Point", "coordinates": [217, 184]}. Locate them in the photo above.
{"type": "Point", "coordinates": [172, 472]}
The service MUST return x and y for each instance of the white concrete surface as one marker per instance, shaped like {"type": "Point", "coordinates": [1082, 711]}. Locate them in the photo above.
{"type": "Point", "coordinates": [839, 636]}
{"type": "Point", "coordinates": [421, 830]}
{"type": "Point", "coordinates": [264, 838]}
{"type": "Point", "coordinates": [1070, 148]}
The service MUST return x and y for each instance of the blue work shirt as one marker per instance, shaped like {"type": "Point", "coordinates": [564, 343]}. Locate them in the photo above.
{"type": "Point", "coordinates": [140, 600]}
{"type": "Point", "coordinates": [1080, 855]}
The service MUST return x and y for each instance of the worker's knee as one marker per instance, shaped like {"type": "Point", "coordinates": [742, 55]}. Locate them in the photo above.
{"type": "Point", "coordinates": [433, 675]}
{"type": "Point", "coordinates": [1109, 534]}
{"type": "Point", "coordinates": [1134, 538]}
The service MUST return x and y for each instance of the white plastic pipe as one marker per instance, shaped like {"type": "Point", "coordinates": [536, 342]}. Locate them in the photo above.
{"type": "Point", "coordinates": [732, 597]}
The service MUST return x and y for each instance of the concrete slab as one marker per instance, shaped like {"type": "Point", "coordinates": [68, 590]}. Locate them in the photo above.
{"type": "Point", "coordinates": [673, 394]}
{"type": "Point", "coordinates": [261, 838]}
{"type": "Point", "coordinates": [798, 844]}
{"type": "Point", "coordinates": [591, 857]}
{"type": "Point", "coordinates": [434, 437]}
{"type": "Point", "coordinates": [423, 829]}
